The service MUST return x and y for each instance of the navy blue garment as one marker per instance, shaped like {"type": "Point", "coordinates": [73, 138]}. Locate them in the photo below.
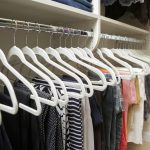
{"type": "Point", "coordinates": [85, 3]}
{"type": "Point", "coordinates": [89, 1]}
{"type": "Point", "coordinates": [96, 112]}
{"type": "Point", "coordinates": [74, 4]}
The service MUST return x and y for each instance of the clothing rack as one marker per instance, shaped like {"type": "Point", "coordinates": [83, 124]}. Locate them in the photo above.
{"type": "Point", "coordinates": [122, 38]}
{"type": "Point", "coordinates": [30, 26]}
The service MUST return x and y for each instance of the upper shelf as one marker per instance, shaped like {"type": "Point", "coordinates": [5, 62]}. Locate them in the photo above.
{"type": "Point", "coordinates": [36, 10]}
{"type": "Point", "coordinates": [111, 26]}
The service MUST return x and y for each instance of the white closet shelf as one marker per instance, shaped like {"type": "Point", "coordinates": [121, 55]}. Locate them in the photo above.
{"type": "Point", "coordinates": [44, 10]}
{"type": "Point", "coordinates": [111, 26]}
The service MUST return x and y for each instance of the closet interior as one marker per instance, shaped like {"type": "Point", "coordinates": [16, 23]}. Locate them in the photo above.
{"type": "Point", "coordinates": [67, 66]}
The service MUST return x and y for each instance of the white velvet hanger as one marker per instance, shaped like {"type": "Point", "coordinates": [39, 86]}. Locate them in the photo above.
{"type": "Point", "coordinates": [108, 63]}
{"type": "Point", "coordinates": [9, 109]}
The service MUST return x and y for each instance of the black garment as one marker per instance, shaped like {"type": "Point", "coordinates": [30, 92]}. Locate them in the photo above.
{"type": "Point", "coordinates": [122, 2]}
{"type": "Point", "coordinates": [96, 111]}
{"type": "Point", "coordinates": [109, 117]}
{"type": "Point", "coordinates": [28, 132]}
{"type": "Point", "coordinates": [147, 103]}
{"type": "Point", "coordinates": [112, 107]}
{"type": "Point", "coordinates": [140, 10]}
{"type": "Point", "coordinates": [17, 125]}
{"type": "Point", "coordinates": [89, 1]}
{"type": "Point", "coordinates": [98, 124]}
{"type": "Point", "coordinates": [47, 132]}
{"type": "Point", "coordinates": [4, 141]}
{"type": "Point", "coordinates": [115, 11]}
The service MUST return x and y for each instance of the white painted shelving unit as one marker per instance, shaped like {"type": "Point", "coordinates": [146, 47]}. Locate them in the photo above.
{"type": "Point", "coordinates": [51, 12]}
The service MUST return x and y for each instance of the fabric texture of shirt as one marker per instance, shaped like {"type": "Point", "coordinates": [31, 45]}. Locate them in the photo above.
{"type": "Point", "coordinates": [88, 125]}
{"type": "Point", "coordinates": [136, 126]}
{"type": "Point", "coordinates": [122, 2]}
{"type": "Point", "coordinates": [75, 4]}
{"type": "Point", "coordinates": [97, 118]}
{"type": "Point", "coordinates": [147, 102]}
{"type": "Point", "coordinates": [4, 140]}
{"type": "Point", "coordinates": [85, 3]}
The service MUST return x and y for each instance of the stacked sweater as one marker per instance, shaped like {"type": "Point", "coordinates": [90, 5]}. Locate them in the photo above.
{"type": "Point", "coordinates": [81, 4]}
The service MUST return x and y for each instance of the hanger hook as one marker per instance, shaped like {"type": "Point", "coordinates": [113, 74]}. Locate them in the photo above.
{"type": "Point", "coordinates": [101, 41]}
{"type": "Point", "coordinates": [51, 35]}
{"type": "Point", "coordinates": [72, 34]}
{"type": "Point", "coordinates": [86, 39]}
{"type": "Point", "coordinates": [61, 34]}
{"type": "Point", "coordinates": [28, 25]}
{"type": "Point", "coordinates": [39, 30]}
{"type": "Point", "coordinates": [79, 37]}
{"type": "Point", "coordinates": [67, 36]}
{"type": "Point", "coordinates": [15, 29]}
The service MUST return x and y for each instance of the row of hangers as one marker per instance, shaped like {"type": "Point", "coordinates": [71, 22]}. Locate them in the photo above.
{"type": "Point", "coordinates": [81, 56]}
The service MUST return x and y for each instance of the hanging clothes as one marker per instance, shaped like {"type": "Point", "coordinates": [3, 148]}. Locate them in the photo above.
{"type": "Point", "coordinates": [147, 102]}
{"type": "Point", "coordinates": [26, 131]}
{"type": "Point", "coordinates": [74, 131]}
{"type": "Point", "coordinates": [97, 119]}
{"type": "Point", "coordinates": [122, 2]}
{"type": "Point", "coordinates": [140, 10]}
{"type": "Point", "coordinates": [135, 126]}
{"type": "Point", "coordinates": [87, 124]}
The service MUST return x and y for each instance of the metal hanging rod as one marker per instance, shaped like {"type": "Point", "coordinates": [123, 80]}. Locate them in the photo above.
{"type": "Point", "coordinates": [121, 38]}
{"type": "Point", "coordinates": [30, 26]}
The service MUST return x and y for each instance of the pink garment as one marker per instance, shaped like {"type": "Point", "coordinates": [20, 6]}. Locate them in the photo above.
{"type": "Point", "coordinates": [129, 92]}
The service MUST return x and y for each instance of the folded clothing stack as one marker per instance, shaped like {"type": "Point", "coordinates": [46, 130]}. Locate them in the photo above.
{"type": "Point", "coordinates": [81, 4]}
